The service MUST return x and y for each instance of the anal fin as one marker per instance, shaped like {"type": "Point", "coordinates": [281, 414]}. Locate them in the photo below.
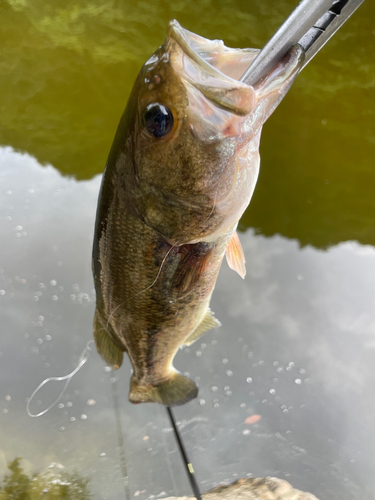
{"type": "Point", "coordinates": [105, 346]}
{"type": "Point", "coordinates": [235, 256]}
{"type": "Point", "coordinates": [208, 322]}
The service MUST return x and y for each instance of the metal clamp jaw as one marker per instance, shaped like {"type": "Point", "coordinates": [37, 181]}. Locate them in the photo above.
{"type": "Point", "coordinates": [311, 25]}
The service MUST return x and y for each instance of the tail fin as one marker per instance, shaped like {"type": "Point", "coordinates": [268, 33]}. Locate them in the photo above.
{"type": "Point", "coordinates": [175, 391]}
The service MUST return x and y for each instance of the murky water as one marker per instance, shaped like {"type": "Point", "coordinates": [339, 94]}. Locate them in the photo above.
{"type": "Point", "coordinates": [297, 345]}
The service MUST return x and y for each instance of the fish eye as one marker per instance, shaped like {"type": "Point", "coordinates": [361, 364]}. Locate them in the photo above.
{"type": "Point", "coordinates": [158, 120]}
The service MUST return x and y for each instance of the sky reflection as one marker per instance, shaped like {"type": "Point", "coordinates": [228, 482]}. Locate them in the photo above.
{"type": "Point", "coordinates": [296, 347]}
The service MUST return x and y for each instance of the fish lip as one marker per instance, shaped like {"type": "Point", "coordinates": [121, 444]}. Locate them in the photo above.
{"type": "Point", "coordinates": [181, 36]}
{"type": "Point", "coordinates": [185, 39]}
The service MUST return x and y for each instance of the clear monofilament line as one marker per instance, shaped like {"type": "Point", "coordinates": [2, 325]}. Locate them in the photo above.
{"type": "Point", "coordinates": [82, 360]}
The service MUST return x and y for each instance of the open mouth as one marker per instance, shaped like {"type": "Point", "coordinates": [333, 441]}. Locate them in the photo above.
{"type": "Point", "coordinates": [212, 55]}
{"type": "Point", "coordinates": [213, 69]}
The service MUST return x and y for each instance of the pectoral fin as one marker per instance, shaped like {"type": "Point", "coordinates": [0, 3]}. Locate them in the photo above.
{"type": "Point", "coordinates": [105, 345]}
{"type": "Point", "coordinates": [191, 267]}
{"type": "Point", "coordinates": [208, 322]}
{"type": "Point", "coordinates": [235, 256]}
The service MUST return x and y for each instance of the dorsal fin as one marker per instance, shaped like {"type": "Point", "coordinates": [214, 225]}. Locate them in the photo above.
{"type": "Point", "coordinates": [208, 322]}
{"type": "Point", "coordinates": [235, 256]}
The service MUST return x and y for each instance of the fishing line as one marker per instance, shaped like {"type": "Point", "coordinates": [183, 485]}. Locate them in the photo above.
{"type": "Point", "coordinates": [82, 360]}
{"type": "Point", "coordinates": [120, 438]}
{"type": "Point", "coordinates": [161, 266]}
{"type": "Point", "coordinates": [167, 454]}
{"type": "Point", "coordinates": [188, 465]}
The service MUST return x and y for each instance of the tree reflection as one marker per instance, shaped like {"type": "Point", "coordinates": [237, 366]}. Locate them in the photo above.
{"type": "Point", "coordinates": [67, 69]}
{"type": "Point", "coordinates": [49, 485]}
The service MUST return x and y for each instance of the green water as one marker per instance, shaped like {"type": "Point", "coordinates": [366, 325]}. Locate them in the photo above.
{"type": "Point", "coordinates": [66, 71]}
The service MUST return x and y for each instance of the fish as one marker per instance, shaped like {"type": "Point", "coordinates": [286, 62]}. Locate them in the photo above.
{"type": "Point", "coordinates": [180, 173]}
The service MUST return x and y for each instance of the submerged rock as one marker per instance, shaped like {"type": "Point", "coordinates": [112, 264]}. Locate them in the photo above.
{"type": "Point", "coordinates": [268, 488]}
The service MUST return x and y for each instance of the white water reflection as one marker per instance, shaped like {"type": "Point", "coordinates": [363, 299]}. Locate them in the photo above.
{"type": "Point", "coordinates": [294, 359]}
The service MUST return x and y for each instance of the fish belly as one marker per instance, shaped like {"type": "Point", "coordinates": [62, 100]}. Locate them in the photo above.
{"type": "Point", "coordinates": [151, 298]}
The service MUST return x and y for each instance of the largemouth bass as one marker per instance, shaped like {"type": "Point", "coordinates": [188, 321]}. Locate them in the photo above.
{"type": "Point", "coordinates": [181, 172]}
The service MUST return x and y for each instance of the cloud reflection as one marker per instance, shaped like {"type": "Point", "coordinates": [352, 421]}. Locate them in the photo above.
{"type": "Point", "coordinates": [296, 348]}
